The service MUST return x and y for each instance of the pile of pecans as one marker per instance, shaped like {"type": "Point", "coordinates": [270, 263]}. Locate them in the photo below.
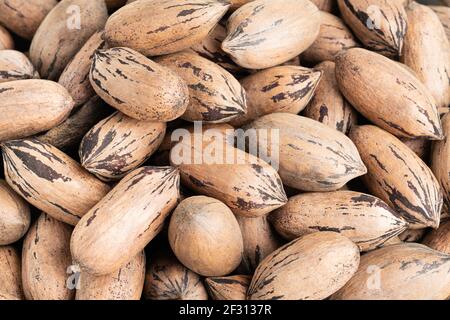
{"type": "Point", "coordinates": [224, 149]}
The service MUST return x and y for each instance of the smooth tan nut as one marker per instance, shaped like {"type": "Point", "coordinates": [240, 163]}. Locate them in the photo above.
{"type": "Point", "coordinates": [119, 144]}
{"type": "Point", "coordinates": [131, 83]}
{"type": "Point", "coordinates": [23, 17]}
{"type": "Point", "coordinates": [14, 65]}
{"type": "Point", "coordinates": [6, 40]}
{"type": "Point", "coordinates": [278, 89]}
{"type": "Point", "coordinates": [309, 268]}
{"type": "Point", "coordinates": [14, 215]}
{"type": "Point", "coordinates": [328, 106]}
{"type": "Point", "coordinates": [444, 15]}
{"type": "Point", "coordinates": [266, 33]}
{"type": "Point", "coordinates": [334, 37]}
{"type": "Point", "coordinates": [46, 259]}
{"type": "Point", "coordinates": [75, 77]}
{"type": "Point", "coordinates": [400, 272]}
{"type": "Point", "coordinates": [364, 219]}
{"type": "Point", "coordinates": [168, 279]}
{"type": "Point", "coordinates": [427, 52]}
{"type": "Point", "coordinates": [398, 102]}
{"type": "Point", "coordinates": [260, 240]}
{"type": "Point", "coordinates": [205, 236]}
{"type": "Point", "coordinates": [380, 24]}
{"type": "Point", "coordinates": [120, 225]}
{"type": "Point", "coordinates": [248, 185]}
{"type": "Point", "coordinates": [305, 143]}
{"type": "Point", "coordinates": [10, 274]}
{"type": "Point", "coordinates": [399, 177]}
{"type": "Point", "coordinates": [50, 180]}
{"type": "Point", "coordinates": [158, 27]}
{"type": "Point", "coordinates": [228, 288]}
{"type": "Point", "coordinates": [31, 106]}
{"type": "Point", "coordinates": [124, 284]}
{"type": "Point", "coordinates": [440, 162]}
{"type": "Point", "coordinates": [215, 96]}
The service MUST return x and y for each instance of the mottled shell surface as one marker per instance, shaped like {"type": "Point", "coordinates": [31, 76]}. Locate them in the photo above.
{"type": "Point", "coordinates": [168, 279]}
{"type": "Point", "coordinates": [328, 106]}
{"type": "Point", "coordinates": [228, 288]}
{"type": "Point", "coordinates": [399, 177]}
{"type": "Point", "coordinates": [131, 83]}
{"type": "Point", "coordinates": [312, 156]}
{"type": "Point", "coordinates": [205, 236]}
{"type": "Point", "coordinates": [119, 226]}
{"type": "Point", "coordinates": [278, 89]}
{"type": "Point", "coordinates": [124, 284]}
{"type": "Point", "coordinates": [400, 272]}
{"type": "Point", "coordinates": [10, 274]}
{"type": "Point", "coordinates": [14, 215]}
{"type": "Point", "coordinates": [119, 144]}
{"type": "Point", "coordinates": [387, 94]}
{"type": "Point", "coordinates": [63, 32]}
{"type": "Point", "coordinates": [364, 219]}
{"type": "Point", "coordinates": [379, 24]}
{"type": "Point", "coordinates": [309, 268]}
{"type": "Point", "coordinates": [50, 180]}
{"type": "Point", "coordinates": [160, 27]}
{"type": "Point", "coordinates": [46, 259]}
{"type": "Point", "coordinates": [14, 65]}
{"type": "Point", "coordinates": [31, 106]}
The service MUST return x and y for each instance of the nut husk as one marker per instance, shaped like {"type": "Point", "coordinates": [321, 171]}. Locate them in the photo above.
{"type": "Point", "coordinates": [309, 268]}
{"type": "Point", "coordinates": [59, 37]}
{"type": "Point", "coordinates": [266, 33]}
{"type": "Point", "coordinates": [364, 219]}
{"type": "Point", "coordinates": [157, 27]}
{"type": "Point", "coordinates": [131, 83]}
{"type": "Point", "coordinates": [135, 209]}
{"type": "Point", "coordinates": [399, 177]}
{"type": "Point", "coordinates": [32, 106]}
{"type": "Point", "coordinates": [50, 180]}
{"type": "Point", "coordinates": [119, 144]}
{"type": "Point", "coordinates": [14, 215]}
{"type": "Point", "coordinates": [408, 271]}
{"type": "Point", "coordinates": [205, 236]}
{"type": "Point", "coordinates": [387, 94]}
{"type": "Point", "coordinates": [46, 259]}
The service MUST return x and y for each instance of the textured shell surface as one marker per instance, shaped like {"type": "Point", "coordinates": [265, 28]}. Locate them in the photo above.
{"type": "Point", "coordinates": [168, 279]}
{"type": "Point", "coordinates": [131, 83]}
{"type": "Point", "coordinates": [399, 177]}
{"type": "Point", "coordinates": [46, 259]}
{"type": "Point", "coordinates": [124, 284]}
{"type": "Point", "coordinates": [120, 225]}
{"type": "Point", "coordinates": [405, 272]}
{"type": "Point", "coordinates": [60, 37]}
{"type": "Point", "coordinates": [248, 185]}
{"type": "Point", "coordinates": [119, 144]}
{"type": "Point", "coordinates": [266, 33]}
{"type": "Point", "coordinates": [32, 106]}
{"type": "Point", "coordinates": [228, 288]}
{"type": "Point", "coordinates": [14, 65]}
{"type": "Point", "coordinates": [364, 219]}
{"type": "Point", "coordinates": [75, 77]}
{"type": "Point", "coordinates": [380, 24]}
{"type": "Point", "coordinates": [214, 94]}
{"type": "Point", "coordinates": [10, 274]}
{"type": "Point", "coordinates": [427, 52]}
{"type": "Point", "coordinates": [278, 89]}
{"type": "Point", "coordinates": [50, 180]}
{"type": "Point", "coordinates": [328, 159]}
{"type": "Point", "coordinates": [392, 88]}
{"type": "Point", "coordinates": [328, 106]}
{"type": "Point", "coordinates": [160, 27]}
{"type": "Point", "coordinates": [14, 215]}
{"type": "Point", "coordinates": [309, 268]}
{"type": "Point", "coordinates": [23, 17]}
